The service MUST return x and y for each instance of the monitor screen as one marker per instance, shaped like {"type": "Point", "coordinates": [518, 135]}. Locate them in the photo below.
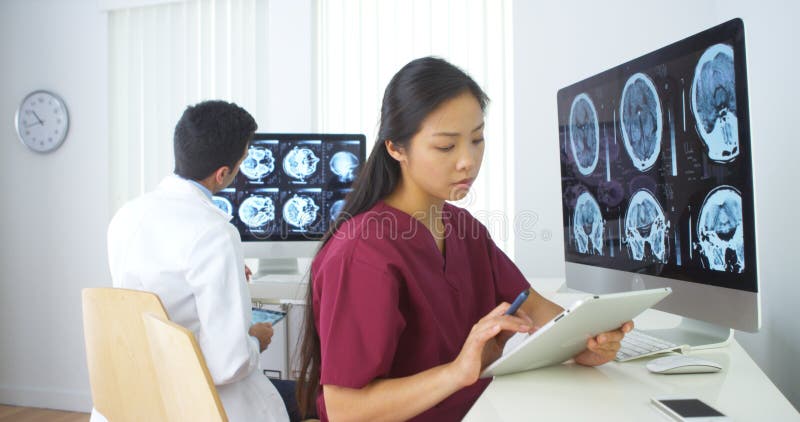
{"type": "Point", "coordinates": [656, 164]}
{"type": "Point", "coordinates": [291, 186]}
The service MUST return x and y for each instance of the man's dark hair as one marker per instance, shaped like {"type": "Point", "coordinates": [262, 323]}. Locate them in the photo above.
{"type": "Point", "coordinates": [209, 135]}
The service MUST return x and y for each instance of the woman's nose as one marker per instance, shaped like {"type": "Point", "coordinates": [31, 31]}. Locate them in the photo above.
{"type": "Point", "coordinates": [466, 161]}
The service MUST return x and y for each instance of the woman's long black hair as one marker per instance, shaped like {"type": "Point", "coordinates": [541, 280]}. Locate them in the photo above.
{"type": "Point", "coordinates": [413, 93]}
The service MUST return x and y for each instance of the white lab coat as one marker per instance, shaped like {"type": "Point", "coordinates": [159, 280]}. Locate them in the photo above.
{"type": "Point", "coordinates": [176, 243]}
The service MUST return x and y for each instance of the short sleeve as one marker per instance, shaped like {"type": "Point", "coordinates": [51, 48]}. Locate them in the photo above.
{"type": "Point", "coordinates": [359, 321]}
{"type": "Point", "coordinates": [508, 279]}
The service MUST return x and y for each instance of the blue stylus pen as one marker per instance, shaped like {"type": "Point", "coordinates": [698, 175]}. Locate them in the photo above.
{"type": "Point", "coordinates": [518, 302]}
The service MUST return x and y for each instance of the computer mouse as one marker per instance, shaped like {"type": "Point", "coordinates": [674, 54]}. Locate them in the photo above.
{"type": "Point", "coordinates": [679, 364]}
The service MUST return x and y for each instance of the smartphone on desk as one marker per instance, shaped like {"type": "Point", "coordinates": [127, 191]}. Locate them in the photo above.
{"type": "Point", "coordinates": [266, 315]}
{"type": "Point", "coordinates": [688, 409]}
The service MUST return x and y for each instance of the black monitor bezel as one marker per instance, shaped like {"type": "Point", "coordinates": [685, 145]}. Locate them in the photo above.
{"type": "Point", "coordinates": [731, 32]}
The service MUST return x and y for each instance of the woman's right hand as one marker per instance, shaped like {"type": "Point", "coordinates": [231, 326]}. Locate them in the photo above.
{"type": "Point", "coordinates": [486, 341]}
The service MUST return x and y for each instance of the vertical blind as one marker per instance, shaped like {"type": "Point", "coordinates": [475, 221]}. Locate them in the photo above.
{"type": "Point", "coordinates": [361, 44]}
{"type": "Point", "coordinates": [166, 56]}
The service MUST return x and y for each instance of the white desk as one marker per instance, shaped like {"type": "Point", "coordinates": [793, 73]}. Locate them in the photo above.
{"type": "Point", "coordinates": [622, 391]}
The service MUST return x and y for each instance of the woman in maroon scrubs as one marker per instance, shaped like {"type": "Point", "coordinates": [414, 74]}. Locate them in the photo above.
{"type": "Point", "coordinates": [408, 292]}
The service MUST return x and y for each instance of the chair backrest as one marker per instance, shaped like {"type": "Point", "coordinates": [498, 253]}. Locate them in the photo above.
{"type": "Point", "coordinates": [121, 372]}
{"type": "Point", "coordinates": [186, 385]}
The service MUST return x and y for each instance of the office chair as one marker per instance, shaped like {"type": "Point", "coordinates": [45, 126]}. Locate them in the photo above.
{"type": "Point", "coordinates": [186, 386]}
{"type": "Point", "coordinates": [121, 373]}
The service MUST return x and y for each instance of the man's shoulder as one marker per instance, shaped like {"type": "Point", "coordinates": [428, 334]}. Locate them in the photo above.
{"type": "Point", "coordinates": [173, 211]}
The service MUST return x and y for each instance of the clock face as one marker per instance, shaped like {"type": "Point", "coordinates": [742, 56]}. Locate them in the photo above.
{"type": "Point", "coordinates": [42, 121]}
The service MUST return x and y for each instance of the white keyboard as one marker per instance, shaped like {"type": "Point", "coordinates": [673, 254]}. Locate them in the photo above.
{"type": "Point", "coordinates": [637, 344]}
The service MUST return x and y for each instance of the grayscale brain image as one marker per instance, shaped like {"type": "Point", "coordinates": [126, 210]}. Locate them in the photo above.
{"type": "Point", "coordinates": [224, 204]}
{"type": "Point", "coordinates": [301, 209]}
{"type": "Point", "coordinates": [584, 134]}
{"type": "Point", "coordinates": [257, 211]}
{"type": "Point", "coordinates": [646, 228]}
{"type": "Point", "coordinates": [336, 208]}
{"type": "Point", "coordinates": [260, 166]}
{"type": "Point", "coordinates": [292, 186]}
{"type": "Point", "coordinates": [333, 202]}
{"type": "Point", "coordinates": [641, 121]}
{"type": "Point", "coordinates": [344, 165]}
{"type": "Point", "coordinates": [300, 163]}
{"type": "Point", "coordinates": [720, 239]}
{"type": "Point", "coordinates": [714, 102]}
{"type": "Point", "coordinates": [257, 214]}
{"type": "Point", "coordinates": [588, 225]}
{"type": "Point", "coordinates": [259, 163]}
{"type": "Point", "coordinates": [656, 173]}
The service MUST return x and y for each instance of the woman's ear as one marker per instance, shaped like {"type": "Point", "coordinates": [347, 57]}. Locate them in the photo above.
{"type": "Point", "coordinates": [399, 154]}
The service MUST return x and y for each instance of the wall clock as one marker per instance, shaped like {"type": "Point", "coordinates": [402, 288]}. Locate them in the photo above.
{"type": "Point", "coordinates": [42, 121]}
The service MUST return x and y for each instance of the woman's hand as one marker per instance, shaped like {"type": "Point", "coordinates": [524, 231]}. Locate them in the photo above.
{"type": "Point", "coordinates": [603, 348]}
{"type": "Point", "coordinates": [486, 341]}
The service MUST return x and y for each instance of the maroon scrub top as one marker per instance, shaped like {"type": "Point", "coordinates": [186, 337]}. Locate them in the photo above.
{"type": "Point", "coordinates": [389, 304]}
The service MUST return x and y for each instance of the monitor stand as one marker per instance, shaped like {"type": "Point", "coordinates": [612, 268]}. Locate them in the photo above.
{"type": "Point", "coordinates": [277, 269]}
{"type": "Point", "coordinates": [282, 279]}
{"type": "Point", "coordinates": [694, 333]}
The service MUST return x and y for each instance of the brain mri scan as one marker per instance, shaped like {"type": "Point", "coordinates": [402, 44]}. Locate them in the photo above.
{"type": "Point", "coordinates": [714, 102]}
{"type": "Point", "coordinates": [258, 163]}
{"type": "Point", "coordinates": [641, 121]}
{"type": "Point", "coordinates": [300, 163]}
{"type": "Point", "coordinates": [588, 225]}
{"type": "Point", "coordinates": [257, 211]}
{"type": "Point", "coordinates": [646, 226]}
{"type": "Point", "coordinates": [336, 208]}
{"type": "Point", "coordinates": [719, 230]}
{"type": "Point", "coordinates": [344, 165]}
{"type": "Point", "coordinates": [223, 204]}
{"type": "Point", "coordinates": [584, 134]}
{"type": "Point", "coordinates": [300, 211]}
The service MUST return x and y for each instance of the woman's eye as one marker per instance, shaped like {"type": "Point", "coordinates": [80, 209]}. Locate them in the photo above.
{"type": "Point", "coordinates": [445, 149]}
{"type": "Point", "coordinates": [477, 141]}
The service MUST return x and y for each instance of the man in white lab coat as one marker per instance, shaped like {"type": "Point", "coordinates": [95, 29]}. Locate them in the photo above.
{"type": "Point", "coordinates": [176, 243]}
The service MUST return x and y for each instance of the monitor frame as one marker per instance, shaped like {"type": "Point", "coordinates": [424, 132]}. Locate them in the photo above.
{"type": "Point", "coordinates": [724, 307]}
{"type": "Point", "coordinates": [280, 254]}
{"type": "Point", "coordinates": [281, 233]}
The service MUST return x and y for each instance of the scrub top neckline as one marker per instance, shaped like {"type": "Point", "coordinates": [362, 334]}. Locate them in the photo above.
{"type": "Point", "coordinates": [443, 256]}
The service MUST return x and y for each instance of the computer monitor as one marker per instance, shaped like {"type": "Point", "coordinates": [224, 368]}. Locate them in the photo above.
{"type": "Point", "coordinates": [289, 189]}
{"type": "Point", "coordinates": [657, 184]}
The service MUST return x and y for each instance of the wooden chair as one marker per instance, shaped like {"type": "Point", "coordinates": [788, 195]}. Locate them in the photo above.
{"type": "Point", "coordinates": [121, 371]}
{"type": "Point", "coordinates": [186, 386]}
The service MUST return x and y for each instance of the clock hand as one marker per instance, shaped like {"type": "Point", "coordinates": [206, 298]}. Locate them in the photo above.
{"type": "Point", "coordinates": [37, 117]}
{"type": "Point", "coordinates": [33, 124]}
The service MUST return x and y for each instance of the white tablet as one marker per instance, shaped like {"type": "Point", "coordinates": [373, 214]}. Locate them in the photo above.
{"type": "Point", "coordinates": [565, 335]}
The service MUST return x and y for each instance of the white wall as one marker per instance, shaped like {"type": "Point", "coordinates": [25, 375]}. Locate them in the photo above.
{"type": "Point", "coordinates": [559, 43]}
{"type": "Point", "coordinates": [55, 207]}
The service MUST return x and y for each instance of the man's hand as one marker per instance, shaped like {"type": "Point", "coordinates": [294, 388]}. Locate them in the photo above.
{"type": "Point", "coordinates": [248, 274]}
{"type": "Point", "coordinates": [263, 332]}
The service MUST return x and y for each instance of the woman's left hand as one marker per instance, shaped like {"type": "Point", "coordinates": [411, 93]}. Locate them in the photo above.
{"type": "Point", "coordinates": [603, 347]}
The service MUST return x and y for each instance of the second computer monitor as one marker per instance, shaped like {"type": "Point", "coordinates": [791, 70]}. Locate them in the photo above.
{"type": "Point", "coordinates": [657, 180]}
{"type": "Point", "coordinates": [290, 187]}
